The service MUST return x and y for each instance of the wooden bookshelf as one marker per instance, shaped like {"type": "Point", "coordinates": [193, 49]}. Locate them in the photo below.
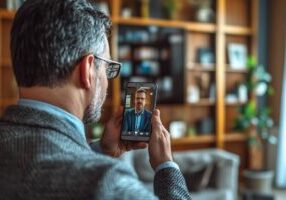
{"type": "Point", "coordinates": [235, 22]}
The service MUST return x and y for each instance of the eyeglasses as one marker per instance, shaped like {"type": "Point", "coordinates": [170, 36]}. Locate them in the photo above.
{"type": "Point", "coordinates": [113, 68]}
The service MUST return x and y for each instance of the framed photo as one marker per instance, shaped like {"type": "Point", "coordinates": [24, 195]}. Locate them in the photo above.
{"type": "Point", "coordinates": [237, 54]}
{"type": "Point", "coordinates": [206, 56]}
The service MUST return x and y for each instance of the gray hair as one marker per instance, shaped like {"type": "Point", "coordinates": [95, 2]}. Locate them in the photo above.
{"type": "Point", "coordinates": [49, 37]}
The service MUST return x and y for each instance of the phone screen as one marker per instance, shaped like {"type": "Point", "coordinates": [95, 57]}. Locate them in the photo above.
{"type": "Point", "coordinates": [139, 104]}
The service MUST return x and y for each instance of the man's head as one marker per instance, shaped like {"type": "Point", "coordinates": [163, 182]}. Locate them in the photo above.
{"type": "Point", "coordinates": [50, 38]}
{"type": "Point", "coordinates": [140, 99]}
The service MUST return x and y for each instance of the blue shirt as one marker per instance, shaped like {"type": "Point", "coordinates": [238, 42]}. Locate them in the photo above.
{"type": "Point", "coordinates": [138, 119]}
{"type": "Point", "coordinates": [75, 122]}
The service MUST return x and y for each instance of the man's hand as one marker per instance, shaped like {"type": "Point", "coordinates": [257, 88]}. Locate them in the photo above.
{"type": "Point", "coordinates": [159, 144]}
{"type": "Point", "coordinates": [110, 141]}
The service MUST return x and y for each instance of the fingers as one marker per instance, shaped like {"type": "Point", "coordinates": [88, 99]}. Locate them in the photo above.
{"type": "Point", "coordinates": [117, 116]}
{"type": "Point", "coordinates": [166, 132]}
{"type": "Point", "coordinates": [159, 144]}
{"type": "Point", "coordinates": [156, 120]}
{"type": "Point", "coordinates": [157, 126]}
{"type": "Point", "coordinates": [156, 116]}
{"type": "Point", "coordinates": [119, 112]}
{"type": "Point", "coordinates": [135, 145]}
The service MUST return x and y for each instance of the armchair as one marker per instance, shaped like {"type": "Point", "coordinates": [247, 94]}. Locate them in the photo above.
{"type": "Point", "coordinates": [218, 182]}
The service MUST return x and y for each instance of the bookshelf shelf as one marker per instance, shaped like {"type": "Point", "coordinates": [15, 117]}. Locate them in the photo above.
{"type": "Point", "coordinates": [234, 104]}
{"type": "Point", "coordinates": [233, 137]}
{"type": "Point", "coordinates": [200, 67]}
{"type": "Point", "coordinates": [8, 101]}
{"type": "Point", "coordinates": [238, 30]}
{"type": "Point", "coordinates": [190, 26]}
{"type": "Point", "coordinates": [229, 70]}
{"type": "Point", "coordinates": [6, 62]}
{"type": "Point", "coordinates": [7, 14]}
{"type": "Point", "coordinates": [202, 102]}
{"type": "Point", "coordinates": [194, 140]}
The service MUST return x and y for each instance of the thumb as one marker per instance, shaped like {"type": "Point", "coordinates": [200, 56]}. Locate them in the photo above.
{"type": "Point", "coordinates": [156, 116]}
{"type": "Point", "coordinates": [118, 113]}
{"type": "Point", "coordinates": [156, 113]}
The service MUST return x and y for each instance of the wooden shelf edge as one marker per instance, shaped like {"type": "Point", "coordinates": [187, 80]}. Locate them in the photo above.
{"type": "Point", "coordinates": [200, 67]}
{"type": "Point", "coordinates": [8, 101]}
{"type": "Point", "coordinates": [233, 137]}
{"type": "Point", "coordinates": [237, 30]}
{"type": "Point", "coordinates": [235, 104]}
{"type": "Point", "coordinates": [202, 102]}
{"type": "Point", "coordinates": [5, 62]}
{"type": "Point", "coordinates": [229, 70]}
{"type": "Point", "coordinates": [191, 26]}
{"type": "Point", "coordinates": [7, 14]}
{"type": "Point", "coordinates": [202, 139]}
{"type": "Point", "coordinates": [193, 140]}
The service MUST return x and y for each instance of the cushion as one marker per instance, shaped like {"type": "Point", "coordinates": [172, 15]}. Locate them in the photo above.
{"type": "Point", "coordinates": [198, 177]}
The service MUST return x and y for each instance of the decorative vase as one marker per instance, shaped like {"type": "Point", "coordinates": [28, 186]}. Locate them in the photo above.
{"type": "Point", "coordinates": [204, 14]}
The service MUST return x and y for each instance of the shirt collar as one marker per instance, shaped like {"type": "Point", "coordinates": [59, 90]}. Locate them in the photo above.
{"type": "Point", "coordinates": [56, 111]}
{"type": "Point", "coordinates": [139, 113]}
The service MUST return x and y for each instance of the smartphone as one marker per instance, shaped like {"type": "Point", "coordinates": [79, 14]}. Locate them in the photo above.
{"type": "Point", "coordinates": [139, 104]}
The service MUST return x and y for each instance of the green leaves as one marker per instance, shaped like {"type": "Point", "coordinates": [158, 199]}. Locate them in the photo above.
{"type": "Point", "coordinates": [258, 84]}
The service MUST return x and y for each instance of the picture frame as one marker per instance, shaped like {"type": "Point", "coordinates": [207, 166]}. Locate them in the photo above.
{"type": "Point", "coordinates": [237, 54]}
{"type": "Point", "coordinates": [206, 56]}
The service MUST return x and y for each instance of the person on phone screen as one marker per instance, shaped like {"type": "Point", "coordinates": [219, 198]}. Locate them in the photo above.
{"type": "Point", "coordinates": [138, 119]}
{"type": "Point", "coordinates": [61, 62]}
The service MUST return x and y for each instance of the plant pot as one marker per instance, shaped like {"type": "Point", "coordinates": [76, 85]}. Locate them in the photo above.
{"type": "Point", "coordinates": [256, 151]}
{"type": "Point", "coordinates": [258, 181]}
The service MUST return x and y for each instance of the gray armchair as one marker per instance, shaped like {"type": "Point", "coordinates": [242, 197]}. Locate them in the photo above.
{"type": "Point", "coordinates": [218, 182]}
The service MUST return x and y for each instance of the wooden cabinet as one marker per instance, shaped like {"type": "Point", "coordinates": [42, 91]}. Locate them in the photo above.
{"type": "Point", "coordinates": [233, 21]}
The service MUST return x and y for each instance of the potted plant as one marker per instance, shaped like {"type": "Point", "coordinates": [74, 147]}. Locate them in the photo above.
{"type": "Point", "coordinates": [255, 119]}
{"type": "Point", "coordinates": [171, 7]}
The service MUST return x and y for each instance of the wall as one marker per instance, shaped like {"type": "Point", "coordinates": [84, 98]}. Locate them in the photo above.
{"type": "Point", "coordinates": [276, 40]}
{"type": "Point", "coordinates": [276, 66]}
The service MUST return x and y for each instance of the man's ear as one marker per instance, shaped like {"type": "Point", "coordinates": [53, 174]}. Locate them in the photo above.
{"type": "Point", "coordinates": [86, 71]}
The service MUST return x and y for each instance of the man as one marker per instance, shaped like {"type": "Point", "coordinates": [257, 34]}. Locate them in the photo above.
{"type": "Point", "coordinates": [138, 118]}
{"type": "Point", "coordinates": [60, 57]}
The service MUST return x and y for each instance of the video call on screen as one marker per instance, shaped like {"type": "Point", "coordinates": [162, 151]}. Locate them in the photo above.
{"type": "Point", "coordinates": [137, 112]}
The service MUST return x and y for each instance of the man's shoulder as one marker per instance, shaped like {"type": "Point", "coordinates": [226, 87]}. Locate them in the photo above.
{"type": "Point", "coordinates": [83, 165]}
{"type": "Point", "coordinates": [130, 110]}
{"type": "Point", "coordinates": [148, 113]}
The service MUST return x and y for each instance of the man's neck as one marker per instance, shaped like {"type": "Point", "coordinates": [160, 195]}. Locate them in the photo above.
{"type": "Point", "coordinates": [62, 97]}
{"type": "Point", "coordinates": [139, 110]}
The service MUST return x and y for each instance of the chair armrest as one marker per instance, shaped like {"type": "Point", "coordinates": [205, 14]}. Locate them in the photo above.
{"type": "Point", "coordinates": [227, 169]}
{"type": "Point", "coordinates": [227, 165]}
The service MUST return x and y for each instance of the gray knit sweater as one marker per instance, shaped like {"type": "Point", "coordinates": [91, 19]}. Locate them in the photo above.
{"type": "Point", "coordinates": [43, 157]}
